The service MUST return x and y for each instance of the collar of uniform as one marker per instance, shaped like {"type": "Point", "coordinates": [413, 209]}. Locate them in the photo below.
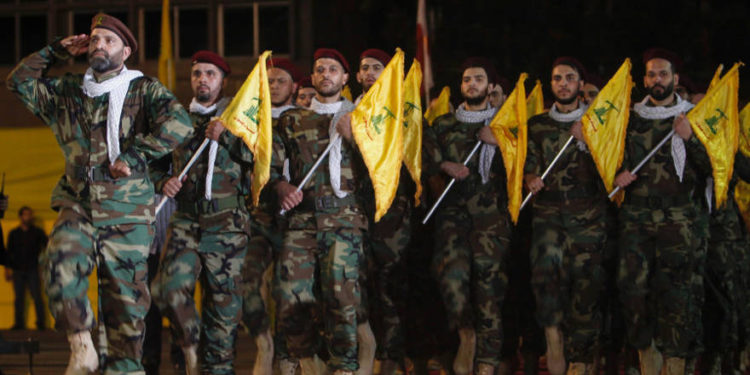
{"type": "Point", "coordinates": [325, 108]}
{"type": "Point", "coordinates": [218, 107]}
{"type": "Point", "coordinates": [472, 117]}
{"type": "Point", "coordinates": [277, 111]}
{"type": "Point", "coordinates": [574, 115]}
{"type": "Point", "coordinates": [649, 111]}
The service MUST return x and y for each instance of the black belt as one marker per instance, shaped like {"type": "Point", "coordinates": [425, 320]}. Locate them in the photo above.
{"type": "Point", "coordinates": [583, 192]}
{"type": "Point", "coordinates": [203, 206]}
{"type": "Point", "coordinates": [659, 201]}
{"type": "Point", "coordinates": [101, 173]}
{"type": "Point", "coordinates": [326, 202]}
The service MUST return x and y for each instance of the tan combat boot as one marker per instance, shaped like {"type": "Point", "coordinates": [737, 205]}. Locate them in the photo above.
{"type": "Point", "coordinates": [673, 366]}
{"type": "Point", "coordinates": [580, 368]}
{"type": "Point", "coordinates": [264, 357]}
{"type": "Point", "coordinates": [191, 359]}
{"type": "Point", "coordinates": [288, 366]}
{"type": "Point", "coordinates": [366, 348]}
{"type": "Point", "coordinates": [485, 369]}
{"type": "Point", "coordinates": [555, 354]}
{"type": "Point", "coordinates": [308, 366]}
{"type": "Point", "coordinates": [464, 362]}
{"type": "Point", "coordinates": [650, 360]}
{"type": "Point", "coordinates": [83, 358]}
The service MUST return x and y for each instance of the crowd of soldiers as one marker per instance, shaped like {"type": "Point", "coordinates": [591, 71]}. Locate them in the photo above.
{"type": "Point", "coordinates": [660, 278]}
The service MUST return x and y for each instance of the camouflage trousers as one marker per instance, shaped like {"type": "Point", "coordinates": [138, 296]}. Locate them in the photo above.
{"type": "Point", "coordinates": [122, 250]}
{"type": "Point", "coordinates": [568, 249]}
{"type": "Point", "coordinates": [326, 261]}
{"type": "Point", "coordinates": [387, 240]}
{"type": "Point", "coordinates": [661, 260]}
{"type": "Point", "coordinates": [472, 240]}
{"type": "Point", "coordinates": [264, 243]}
{"type": "Point", "coordinates": [215, 257]}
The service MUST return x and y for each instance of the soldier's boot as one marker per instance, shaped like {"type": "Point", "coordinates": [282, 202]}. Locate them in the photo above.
{"type": "Point", "coordinates": [288, 366]}
{"type": "Point", "coordinates": [485, 369]}
{"type": "Point", "coordinates": [366, 348]}
{"type": "Point", "coordinates": [464, 362]}
{"type": "Point", "coordinates": [83, 357]}
{"type": "Point", "coordinates": [673, 366]}
{"type": "Point", "coordinates": [388, 367]}
{"type": "Point", "coordinates": [555, 354]}
{"type": "Point", "coordinates": [264, 357]}
{"type": "Point", "coordinates": [580, 368]}
{"type": "Point", "coordinates": [308, 366]}
{"type": "Point", "coordinates": [191, 359]}
{"type": "Point", "coordinates": [650, 360]}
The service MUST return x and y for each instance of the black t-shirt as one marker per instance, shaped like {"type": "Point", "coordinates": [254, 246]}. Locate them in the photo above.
{"type": "Point", "coordinates": [24, 248]}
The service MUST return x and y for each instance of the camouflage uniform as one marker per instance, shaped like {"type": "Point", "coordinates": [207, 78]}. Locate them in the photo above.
{"type": "Point", "coordinates": [570, 235]}
{"type": "Point", "coordinates": [102, 221]}
{"type": "Point", "coordinates": [660, 247]}
{"type": "Point", "coordinates": [387, 240]}
{"type": "Point", "coordinates": [473, 231]}
{"type": "Point", "coordinates": [322, 247]}
{"type": "Point", "coordinates": [208, 236]}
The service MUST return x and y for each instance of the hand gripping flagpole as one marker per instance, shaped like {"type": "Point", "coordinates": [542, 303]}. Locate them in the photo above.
{"type": "Point", "coordinates": [184, 171]}
{"type": "Point", "coordinates": [649, 156]}
{"type": "Point", "coordinates": [546, 171]}
{"type": "Point", "coordinates": [450, 184]}
{"type": "Point", "coordinates": [315, 166]}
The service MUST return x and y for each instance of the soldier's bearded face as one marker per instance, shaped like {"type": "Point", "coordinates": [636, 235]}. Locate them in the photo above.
{"type": "Point", "coordinates": [566, 84]}
{"type": "Point", "coordinates": [474, 86]}
{"type": "Point", "coordinates": [369, 71]}
{"type": "Point", "coordinates": [328, 77]}
{"type": "Point", "coordinates": [281, 86]}
{"type": "Point", "coordinates": [660, 80]}
{"type": "Point", "coordinates": [107, 52]}
{"type": "Point", "coordinates": [207, 81]}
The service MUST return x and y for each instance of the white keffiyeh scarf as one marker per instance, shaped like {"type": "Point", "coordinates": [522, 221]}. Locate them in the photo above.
{"type": "Point", "coordinates": [487, 152]}
{"type": "Point", "coordinates": [117, 88]}
{"type": "Point", "coordinates": [337, 109]}
{"type": "Point", "coordinates": [216, 108]}
{"type": "Point", "coordinates": [277, 111]}
{"type": "Point", "coordinates": [575, 115]}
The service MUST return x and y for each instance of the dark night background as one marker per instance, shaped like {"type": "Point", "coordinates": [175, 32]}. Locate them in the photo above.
{"type": "Point", "coordinates": [527, 35]}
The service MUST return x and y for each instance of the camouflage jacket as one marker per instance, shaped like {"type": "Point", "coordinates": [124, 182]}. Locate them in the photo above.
{"type": "Point", "coordinates": [658, 178]}
{"type": "Point", "coordinates": [573, 175]}
{"type": "Point", "coordinates": [230, 183]}
{"type": "Point", "coordinates": [153, 123]}
{"type": "Point", "coordinates": [266, 212]}
{"type": "Point", "coordinates": [451, 140]}
{"type": "Point", "coordinates": [303, 136]}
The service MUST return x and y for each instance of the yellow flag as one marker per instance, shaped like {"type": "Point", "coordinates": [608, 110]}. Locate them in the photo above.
{"type": "Point", "coordinates": [509, 128]}
{"type": "Point", "coordinates": [167, 73]}
{"type": "Point", "coordinates": [377, 126]}
{"type": "Point", "coordinates": [442, 106]}
{"type": "Point", "coordinates": [535, 101]}
{"type": "Point", "coordinates": [605, 124]}
{"type": "Point", "coordinates": [413, 126]}
{"type": "Point", "coordinates": [347, 93]}
{"type": "Point", "coordinates": [248, 116]}
{"type": "Point", "coordinates": [716, 78]}
{"type": "Point", "coordinates": [742, 197]}
{"type": "Point", "coordinates": [715, 121]}
{"type": "Point", "coordinates": [745, 130]}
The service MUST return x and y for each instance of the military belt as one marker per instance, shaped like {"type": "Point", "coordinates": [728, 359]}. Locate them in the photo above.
{"type": "Point", "coordinates": [575, 193]}
{"type": "Point", "coordinates": [658, 201]}
{"type": "Point", "coordinates": [101, 173]}
{"type": "Point", "coordinates": [204, 206]}
{"type": "Point", "coordinates": [326, 202]}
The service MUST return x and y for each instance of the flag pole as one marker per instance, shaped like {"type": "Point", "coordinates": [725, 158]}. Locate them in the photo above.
{"type": "Point", "coordinates": [184, 171]}
{"type": "Point", "coordinates": [649, 156]}
{"type": "Point", "coordinates": [450, 184]}
{"type": "Point", "coordinates": [314, 167]}
{"type": "Point", "coordinates": [546, 171]}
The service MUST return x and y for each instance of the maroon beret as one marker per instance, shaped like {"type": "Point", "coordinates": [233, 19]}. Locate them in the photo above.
{"type": "Point", "coordinates": [662, 53]}
{"type": "Point", "coordinates": [484, 63]}
{"type": "Point", "coordinates": [105, 21]}
{"type": "Point", "coordinates": [505, 84]}
{"type": "Point", "coordinates": [571, 62]}
{"type": "Point", "coordinates": [376, 54]}
{"type": "Point", "coordinates": [595, 80]}
{"type": "Point", "coordinates": [305, 82]}
{"type": "Point", "coordinates": [331, 54]}
{"type": "Point", "coordinates": [287, 65]}
{"type": "Point", "coordinates": [204, 56]}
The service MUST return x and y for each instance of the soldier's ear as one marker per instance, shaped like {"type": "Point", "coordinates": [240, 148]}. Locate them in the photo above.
{"type": "Point", "coordinates": [126, 53]}
{"type": "Point", "coordinates": [676, 79]}
{"type": "Point", "coordinates": [346, 78]}
{"type": "Point", "coordinates": [581, 83]}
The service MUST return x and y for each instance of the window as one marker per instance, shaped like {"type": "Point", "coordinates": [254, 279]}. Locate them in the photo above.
{"type": "Point", "coordinates": [274, 28]}
{"type": "Point", "coordinates": [192, 31]}
{"type": "Point", "coordinates": [238, 31]}
{"type": "Point", "coordinates": [7, 42]}
{"type": "Point", "coordinates": [152, 32]}
{"type": "Point", "coordinates": [33, 32]}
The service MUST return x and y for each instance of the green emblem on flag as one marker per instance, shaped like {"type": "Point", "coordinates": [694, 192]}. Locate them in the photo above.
{"type": "Point", "coordinates": [378, 119]}
{"type": "Point", "coordinates": [409, 107]}
{"type": "Point", "coordinates": [601, 111]}
{"type": "Point", "coordinates": [252, 112]}
{"type": "Point", "coordinates": [713, 120]}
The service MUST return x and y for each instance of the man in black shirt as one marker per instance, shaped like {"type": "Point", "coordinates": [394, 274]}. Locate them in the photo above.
{"type": "Point", "coordinates": [25, 243]}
